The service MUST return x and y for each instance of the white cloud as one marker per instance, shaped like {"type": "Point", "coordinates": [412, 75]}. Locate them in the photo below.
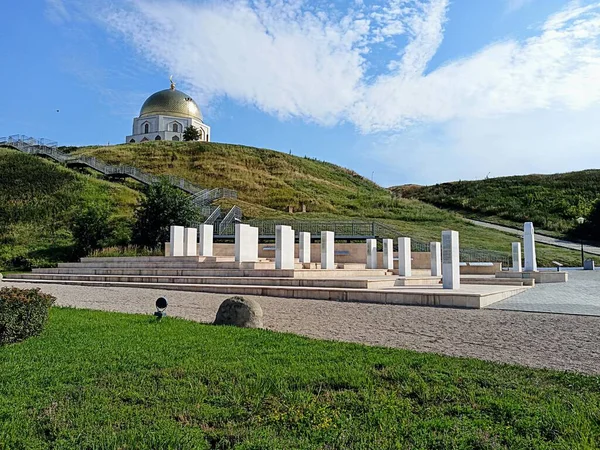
{"type": "Point", "coordinates": [515, 5]}
{"type": "Point", "coordinates": [514, 106]}
{"type": "Point", "coordinates": [56, 11]}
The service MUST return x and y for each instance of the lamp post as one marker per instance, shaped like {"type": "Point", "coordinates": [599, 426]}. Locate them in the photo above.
{"type": "Point", "coordinates": [581, 221]}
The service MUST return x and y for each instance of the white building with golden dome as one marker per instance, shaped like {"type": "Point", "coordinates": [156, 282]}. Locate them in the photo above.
{"type": "Point", "coordinates": [164, 117]}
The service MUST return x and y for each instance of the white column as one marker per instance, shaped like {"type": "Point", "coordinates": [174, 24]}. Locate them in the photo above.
{"type": "Point", "coordinates": [327, 250]}
{"type": "Point", "coordinates": [450, 260]}
{"type": "Point", "coordinates": [176, 240]}
{"type": "Point", "coordinates": [205, 247]}
{"type": "Point", "coordinates": [516, 257]}
{"type": "Point", "coordinates": [284, 247]}
{"type": "Point", "coordinates": [246, 243]}
{"type": "Point", "coordinates": [529, 244]}
{"type": "Point", "coordinates": [190, 242]}
{"type": "Point", "coordinates": [435, 248]}
{"type": "Point", "coordinates": [388, 254]}
{"type": "Point", "coordinates": [371, 253]}
{"type": "Point", "coordinates": [404, 257]}
{"type": "Point", "coordinates": [304, 247]}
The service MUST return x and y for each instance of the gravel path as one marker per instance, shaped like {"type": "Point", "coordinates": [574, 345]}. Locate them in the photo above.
{"type": "Point", "coordinates": [536, 340]}
{"type": "Point", "coordinates": [538, 237]}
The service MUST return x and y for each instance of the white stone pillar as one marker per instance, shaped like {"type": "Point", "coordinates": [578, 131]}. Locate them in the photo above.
{"type": "Point", "coordinates": [205, 246]}
{"type": "Point", "coordinates": [190, 242]}
{"type": "Point", "coordinates": [529, 244]}
{"type": "Point", "coordinates": [371, 253]}
{"type": "Point", "coordinates": [284, 247]}
{"type": "Point", "coordinates": [176, 240]}
{"type": "Point", "coordinates": [246, 243]}
{"type": "Point", "coordinates": [304, 247]}
{"type": "Point", "coordinates": [435, 248]}
{"type": "Point", "coordinates": [404, 257]}
{"type": "Point", "coordinates": [388, 254]}
{"type": "Point", "coordinates": [516, 257]}
{"type": "Point", "coordinates": [327, 250]}
{"type": "Point", "coordinates": [450, 260]}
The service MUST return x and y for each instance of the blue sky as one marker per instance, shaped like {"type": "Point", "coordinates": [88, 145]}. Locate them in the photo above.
{"type": "Point", "coordinates": [406, 91]}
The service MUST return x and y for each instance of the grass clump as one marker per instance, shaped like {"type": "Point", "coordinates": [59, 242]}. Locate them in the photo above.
{"type": "Point", "coordinates": [23, 313]}
{"type": "Point", "coordinates": [108, 380]}
{"type": "Point", "coordinates": [126, 251]}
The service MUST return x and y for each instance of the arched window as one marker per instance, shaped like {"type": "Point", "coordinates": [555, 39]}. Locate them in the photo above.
{"type": "Point", "coordinates": [146, 128]}
{"type": "Point", "coordinates": [157, 138]}
{"type": "Point", "coordinates": [176, 128]}
{"type": "Point", "coordinates": [175, 138]}
{"type": "Point", "coordinates": [132, 141]}
{"type": "Point", "coordinates": [144, 139]}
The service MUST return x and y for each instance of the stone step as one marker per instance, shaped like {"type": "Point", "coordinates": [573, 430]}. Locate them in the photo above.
{"type": "Point", "coordinates": [270, 273]}
{"type": "Point", "coordinates": [408, 296]}
{"type": "Point", "coordinates": [341, 283]}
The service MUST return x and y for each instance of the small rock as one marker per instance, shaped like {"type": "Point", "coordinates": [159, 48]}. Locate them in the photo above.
{"type": "Point", "coordinates": [240, 312]}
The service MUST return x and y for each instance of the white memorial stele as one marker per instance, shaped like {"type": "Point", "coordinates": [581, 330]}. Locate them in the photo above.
{"type": "Point", "coordinates": [205, 245]}
{"type": "Point", "coordinates": [246, 243]}
{"type": "Point", "coordinates": [388, 254]}
{"type": "Point", "coordinates": [404, 257]}
{"type": "Point", "coordinates": [450, 260]}
{"type": "Point", "coordinates": [284, 247]}
{"type": "Point", "coordinates": [529, 247]}
{"type": "Point", "coordinates": [435, 248]}
{"type": "Point", "coordinates": [176, 240]}
{"type": "Point", "coordinates": [190, 242]}
{"type": "Point", "coordinates": [516, 257]}
{"type": "Point", "coordinates": [371, 253]}
{"type": "Point", "coordinates": [304, 247]}
{"type": "Point", "coordinates": [327, 250]}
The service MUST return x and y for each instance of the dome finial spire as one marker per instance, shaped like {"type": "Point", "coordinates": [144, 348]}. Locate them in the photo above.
{"type": "Point", "coordinates": [172, 83]}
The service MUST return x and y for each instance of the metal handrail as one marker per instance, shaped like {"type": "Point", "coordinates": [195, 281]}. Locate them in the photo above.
{"type": "Point", "coordinates": [212, 218]}
{"type": "Point", "coordinates": [233, 214]}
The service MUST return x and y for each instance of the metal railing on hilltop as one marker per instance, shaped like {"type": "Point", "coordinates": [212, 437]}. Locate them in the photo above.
{"type": "Point", "coordinates": [359, 230]}
{"type": "Point", "coordinates": [49, 148]}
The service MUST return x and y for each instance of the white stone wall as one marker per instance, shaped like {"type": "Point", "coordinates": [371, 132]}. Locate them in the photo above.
{"type": "Point", "coordinates": [162, 126]}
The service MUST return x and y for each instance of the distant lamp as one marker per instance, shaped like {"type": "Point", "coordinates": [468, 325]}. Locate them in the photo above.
{"type": "Point", "coordinates": [581, 221]}
{"type": "Point", "coordinates": [161, 305]}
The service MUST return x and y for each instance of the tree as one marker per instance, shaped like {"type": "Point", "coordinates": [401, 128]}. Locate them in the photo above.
{"type": "Point", "coordinates": [191, 133]}
{"type": "Point", "coordinates": [163, 205]}
{"type": "Point", "coordinates": [91, 228]}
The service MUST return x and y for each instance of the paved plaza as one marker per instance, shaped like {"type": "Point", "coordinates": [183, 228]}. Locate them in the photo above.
{"type": "Point", "coordinates": [580, 295]}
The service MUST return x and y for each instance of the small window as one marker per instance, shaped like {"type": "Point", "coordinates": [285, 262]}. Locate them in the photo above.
{"type": "Point", "coordinates": [157, 138]}
{"type": "Point", "coordinates": [175, 138]}
{"type": "Point", "coordinates": [132, 141]}
{"type": "Point", "coordinates": [145, 139]}
{"type": "Point", "coordinates": [175, 128]}
{"type": "Point", "coordinates": [146, 128]}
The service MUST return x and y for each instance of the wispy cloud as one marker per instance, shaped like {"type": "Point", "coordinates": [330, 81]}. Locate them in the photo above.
{"type": "Point", "coordinates": [301, 59]}
{"type": "Point", "coordinates": [515, 5]}
{"type": "Point", "coordinates": [56, 11]}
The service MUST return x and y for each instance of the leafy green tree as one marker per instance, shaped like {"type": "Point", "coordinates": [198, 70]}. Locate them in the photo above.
{"type": "Point", "coordinates": [91, 227]}
{"type": "Point", "coordinates": [191, 133]}
{"type": "Point", "coordinates": [163, 205]}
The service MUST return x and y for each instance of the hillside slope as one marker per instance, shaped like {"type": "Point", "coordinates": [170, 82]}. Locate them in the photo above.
{"type": "Point", "coordinates": [268, 182]}
{"type": "Point", "coordinates": [551, 202]}
{"type": "Point", "coordinates": [38, 200]}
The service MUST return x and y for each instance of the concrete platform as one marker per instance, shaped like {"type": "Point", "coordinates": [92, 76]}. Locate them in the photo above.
{"type": "Point", "coordinates": [470, 296]}
{"type": "Point", "coordinates": [539, 277]}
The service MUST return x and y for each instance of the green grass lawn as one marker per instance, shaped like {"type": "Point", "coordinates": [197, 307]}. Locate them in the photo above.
{"type": "Point", "coordinates": [107, 380]}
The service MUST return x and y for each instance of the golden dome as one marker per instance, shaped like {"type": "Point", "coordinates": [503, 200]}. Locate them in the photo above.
{"type": "Point", "coordinates": [171, 102]}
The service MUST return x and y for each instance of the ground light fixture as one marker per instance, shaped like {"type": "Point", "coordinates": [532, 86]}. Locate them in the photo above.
{"type": "Point", "coordinates": [581, 221]}
{"type": "Point", "coordinates": [161, 305]}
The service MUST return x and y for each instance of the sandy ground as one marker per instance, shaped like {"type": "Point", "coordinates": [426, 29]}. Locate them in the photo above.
{"type": "Point", "coordinates": [564, 342]}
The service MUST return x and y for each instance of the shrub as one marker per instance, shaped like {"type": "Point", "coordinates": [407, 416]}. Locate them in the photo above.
{"type": "Point", "coordinates": [23, 313]}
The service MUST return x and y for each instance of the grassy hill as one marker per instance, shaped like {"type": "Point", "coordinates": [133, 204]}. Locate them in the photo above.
{"type": "Point", "coordinates": [38, 200]}
{"type": "Point", "coordinates": [551, 202]}
{"type": "Point", "coordinates": [268, 182]}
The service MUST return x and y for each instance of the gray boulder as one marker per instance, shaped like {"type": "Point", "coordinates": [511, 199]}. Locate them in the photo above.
{"type": "Point", "coordinates": [240, 312]}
